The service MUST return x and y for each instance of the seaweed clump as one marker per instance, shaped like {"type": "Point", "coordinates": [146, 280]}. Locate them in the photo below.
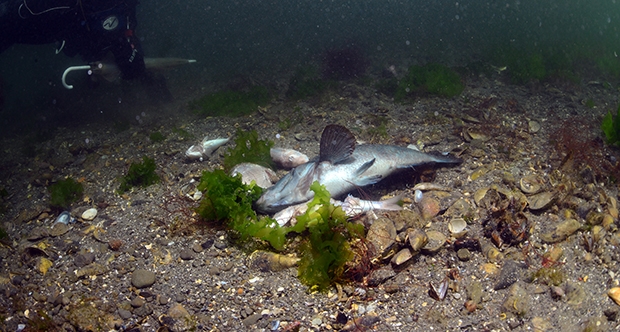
{"type": "Point", "coordinates": [327, 250]}
{"type": "Point", "coordinates": [611, 128]}
{"type": "Point", "coordinates": [434, 79]}
{"type": "Point", "coordinates": [231, 103]}
{"type": "Point", "coordinates": [585, 152]}
{"type": "Point", "coordinates": [228, 201]}
{"type": "Point", "coordinates": [249, 149]}
{"type": "Point", "coordinates": [65, 192]}
{"type": "Point", "coordinates": [324, 254]}
{"type": "Point", "coordinates": [139, 175]}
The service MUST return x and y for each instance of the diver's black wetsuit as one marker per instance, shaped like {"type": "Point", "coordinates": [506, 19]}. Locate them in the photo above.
{"type": "Point", "coordinates": [91, 28]}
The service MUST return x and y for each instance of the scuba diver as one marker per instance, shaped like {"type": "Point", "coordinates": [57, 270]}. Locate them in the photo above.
{"type": "Point", "coordinates": [91, 28]}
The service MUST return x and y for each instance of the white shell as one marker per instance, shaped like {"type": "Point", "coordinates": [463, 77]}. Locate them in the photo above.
{"type": "Point", "coordinates": [457, 227]}
{"type": "Point", "coordinates": [64, 218]}
{"type": "Point", "coordinates": [262, 176]}
{"type": "Point", "coordinates": [89, 214]}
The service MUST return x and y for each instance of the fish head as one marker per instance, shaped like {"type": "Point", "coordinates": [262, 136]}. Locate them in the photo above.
{"type": "Point", "coordinates": [293, 188]}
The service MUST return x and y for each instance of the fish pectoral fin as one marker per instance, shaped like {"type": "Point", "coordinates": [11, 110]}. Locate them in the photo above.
{"type": "Point", "coordinates": [337, 144]}
{"type": "Point", "coordinates": [365, 166]}
{"type": "Point", "coordinates": [366, 181]}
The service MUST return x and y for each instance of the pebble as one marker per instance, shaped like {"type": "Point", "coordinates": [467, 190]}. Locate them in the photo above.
{"type": "Point", "coordinates": [137, 302]}
{"type": "Point", "coordinates": [89, 214]}
{"type": "Point", "coordinates": [142, 278]}
{"type": "Point", "coordinates": [187, 254]}
{"type": "Point", "coordinates": [463, 254]}
{"type": "Point", "coordinates": [252, 319]}
{"type": "Point", "coordinates": [82, 260]}
{"type": "Point", "coordinates": [614, 294]}
{"type": "Point", "coordinates": [125, 314]}
{"type": "Point", "coordinates": [510, 273]}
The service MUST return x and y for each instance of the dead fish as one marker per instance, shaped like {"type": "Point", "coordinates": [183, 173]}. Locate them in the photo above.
{"type": "Point", "coordinates": [205, 149]}
{"type": "Point", "coordinates": [352, 207]}
{"type": "Point", "coordinates": [263, 177]}
{"type": "Point", "coordinates": [287, 158]}
{"type": "Point", "coordinates": [342, 167]}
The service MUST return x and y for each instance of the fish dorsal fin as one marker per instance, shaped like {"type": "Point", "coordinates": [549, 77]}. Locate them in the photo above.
{"type": "Point", "coordinates": [337, 144]}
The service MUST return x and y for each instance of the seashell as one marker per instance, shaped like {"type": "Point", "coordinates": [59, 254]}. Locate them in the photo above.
{"type": "Point", "coordinates": [89, 214]}
{"type": "Point", "coordinates": [401, 257]}
{"type": "Point", "coordinates": [287, 158]}
{"type": "Point", "coordinates": [269, 261]}
{"type": "Point", "coordinates": [195, 152]}
{"type": "Point", "coordinates": [417, 239]}
{"type": "Point", "coordinates": [457, 227]}
{"type": "Point", "coordinates": [262, 176]}
{"type": "Point", "coordinates": [533, 126]}
{"type": "Point", "coordinates": [59, 229]}
{"type": "Point", "coordinates": [614, 294]}
{"type": "Point", "coordinates": [561, 231]}
{"type": "Point", "coordinates": [476, 135]}
{"type": "Point", "coordinates": [436, 240]}
{"type": "Point", "coordinates": [38, 233]}
{"type": "Point", "coordinates": [418, 195]}
{"type": "Point", "coordinates": [530, 184]}
{"type": "Point", "coordinates": [64, 218]}
{"type": "Point", "coordinates": [425, 186]}
{"type": "Point", "coordinates": [429, 207]}
{"type": "Point", "coordinates": [210, 146]}
{"type": "Point", "coordinates": [542, 200]}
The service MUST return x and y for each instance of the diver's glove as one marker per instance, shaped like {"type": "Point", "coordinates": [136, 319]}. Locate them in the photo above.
{"type": "Point", "coordinates": [128, 56]}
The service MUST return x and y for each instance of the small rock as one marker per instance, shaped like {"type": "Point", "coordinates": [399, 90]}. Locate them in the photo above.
{"type": "Point", "coordinates": [142, 278]}
{"type": "Point", "coordinates": [252, 319]}
{"type": "Point", "coordinates": [197, 248]}
{"type": "Point", "coordinates": [517, 301]}
{"type": "Point", "coordinates": [463, 254]}
{"type": "Point", "coordinates": [137, 302]}
{"type": "Point", "coordinates": [125, 314]}
{"type": "Point", "coordinates": [220, 244]}
{"type": "Point", "coordinates": [510, 273]}
{"type": "Point", "coordinates": [187, 254]}
{"type": "Point", "coordinates": [89, 214]}
{"type": "Point", "coordinates": [380, 275]}
{"type": "Point", "coordinates": [82, 260]}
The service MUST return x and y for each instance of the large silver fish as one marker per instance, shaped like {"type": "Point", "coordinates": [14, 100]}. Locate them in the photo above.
{"type": "Point", "coordinates": [341, 167]}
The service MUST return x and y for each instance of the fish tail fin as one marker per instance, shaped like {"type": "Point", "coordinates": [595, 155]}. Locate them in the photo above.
{"type": "Point", "coordinates": [392, 204]}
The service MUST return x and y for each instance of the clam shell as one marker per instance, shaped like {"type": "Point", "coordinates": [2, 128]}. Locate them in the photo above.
{"type": "Point", "coordinates": [542, 200]}
{"type": "Point", "coordinates": [457, 227]}
{"type": "Point", "coordinates": [417, 239]}
{"type": "Point", "coordinates": [530, 184]}
{"type": "Point", "coordinates": [436, 240]}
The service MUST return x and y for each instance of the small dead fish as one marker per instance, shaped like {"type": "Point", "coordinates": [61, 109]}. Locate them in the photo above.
{"type": "Point", "coordinates": [263, 177]}
{"type": "Point", "coordinates": [205, 149]}
{"type": "Point", "coordinates": [353, 206]}
{"type": "Point", "coordinates": [287, 158]}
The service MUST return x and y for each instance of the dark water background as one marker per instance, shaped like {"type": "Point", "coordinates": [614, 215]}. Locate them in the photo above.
{"type": "Point", "coordinates": [268, 39]}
